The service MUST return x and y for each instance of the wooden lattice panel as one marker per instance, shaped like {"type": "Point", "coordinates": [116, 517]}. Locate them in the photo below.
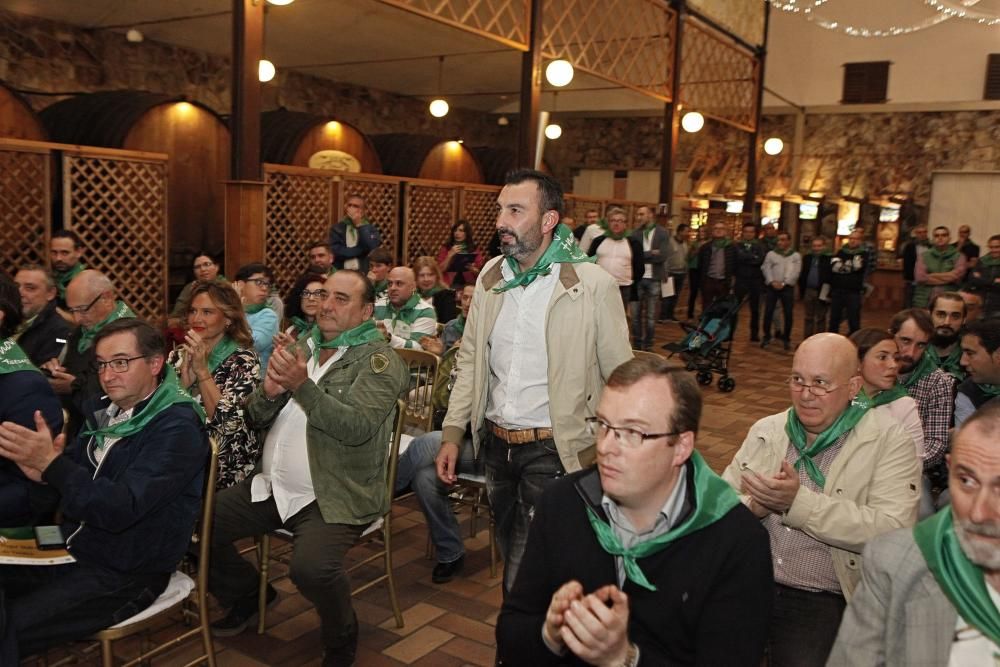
{"type": "Point", "coordinates": [430, 212]}
{"type": "Point", "coordinates": [479, 207]}
{"type": "Point", "coordinates": [629, 42]}
{"type": "Point", "coordinates": [744, 18]}
{"type": "Point", "coordinates": [505, 21]}
{"type": "Point", "coordinates": [24, 208]}
{"type": "Point", "coordinates": [577, 207]}
{"type": "Point", "coordinates": [298, 211]}
{"type": "Point", "coordinates": [381, 204]}
{"type": "Point", "coordinates": [118, 207]}
{"type": "Point", "coordinates": [718, 78]}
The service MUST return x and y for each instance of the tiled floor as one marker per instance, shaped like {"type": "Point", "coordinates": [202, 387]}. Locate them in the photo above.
{"type": "Point", "coordinates": [452, 624]}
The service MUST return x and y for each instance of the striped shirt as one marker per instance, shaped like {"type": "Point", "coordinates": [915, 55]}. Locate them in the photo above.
{"type": "Point", "coordinates": [408, 324]}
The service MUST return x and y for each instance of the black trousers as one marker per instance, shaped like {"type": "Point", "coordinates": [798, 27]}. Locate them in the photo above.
{"type": "Point", "coordinates": [803, 627]}
{"type": "Point", "coordinates": [845, 302]}
{"type": "Point", "coordinates": [787, 297]}
{"type": "Point", "coordinates": [751, 289]}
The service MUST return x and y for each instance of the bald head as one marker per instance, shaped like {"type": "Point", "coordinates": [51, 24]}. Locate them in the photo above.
{"type": "Point", "coordinates": [90, 297]}
{"type": "Point", "coordinates": [402, 284]}
{"type": "Point", "coordinates": [828, 363]}
{"type": "Point", "coordinates": [841, 353]}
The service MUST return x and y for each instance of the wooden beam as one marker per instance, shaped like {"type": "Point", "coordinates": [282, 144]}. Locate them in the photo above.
{"type": "Point", "coordinates": [531, 89]}
{"type": "Point", "coordinates": [672, 115]}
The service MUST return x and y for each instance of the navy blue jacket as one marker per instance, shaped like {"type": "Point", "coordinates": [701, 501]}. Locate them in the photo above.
{"type": "Point", "coordinates": [369, 238]}
{"type": "Point", "coordinates": [135, 512]}
{"type": "Point", "coordinates": [41, 340]}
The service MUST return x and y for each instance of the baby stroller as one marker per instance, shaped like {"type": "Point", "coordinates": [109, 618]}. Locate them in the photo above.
{"type": "Point", "coordinates": [706, 347]}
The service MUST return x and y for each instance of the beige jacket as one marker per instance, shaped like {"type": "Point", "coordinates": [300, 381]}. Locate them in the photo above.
{"type": "Point", "coordinates": [872, 487]}
{"type": "Point", "coordinates": [586, 337]}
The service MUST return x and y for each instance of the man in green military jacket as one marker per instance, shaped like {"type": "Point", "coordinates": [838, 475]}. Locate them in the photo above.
{"type": "Point", "coordinates": [327, 403]}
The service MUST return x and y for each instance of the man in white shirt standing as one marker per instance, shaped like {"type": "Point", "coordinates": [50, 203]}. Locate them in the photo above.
{"type": "Point", "coordinates": [781, 273]}
{"type": "Point", "coordinates": [545, 330]}
{"type": "Point", "coordinates": [620, 255]}
{"type": "Point", "coordinates": [328, 403]}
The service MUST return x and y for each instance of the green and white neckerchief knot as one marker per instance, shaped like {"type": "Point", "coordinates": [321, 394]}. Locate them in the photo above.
{"type": "Point", "coordinates": [924, 367]}
{"type": "Point", "coordinates": [881, 398]}
{"type": "Point", "coordinates": [301, 325]}
{"type": "Point", "coordinates": [852, 251]}
{"type": "Point", "coordinates": [960, 579]}
{"type": "Point", "coordinates": [796, 433]}
{"type": "Point", "coordinates": [87, 334]}
{"type": "Point", "coordinates": [714, 498]}
{"type": "Point", "coordinates": [617, 236]}
{"type": "Point", "coordinates": [254, 308]}
{"type": "Point", "coordinates": [366, 332]}
{"type": "Point", "coordinates": [167, 394]}
{"type": "Point", "coordinates": [952, 364]}
{"type": "Point", "coordinates": [13, 359]}
{"type": "Point", "coordinates": [225, 347]}
{"type": "Point", "coordinates": [562, 250]}
{"type": "Point", "coordinates": [63, 278]}
{"type": "Point", "coordinates": [785, 253]}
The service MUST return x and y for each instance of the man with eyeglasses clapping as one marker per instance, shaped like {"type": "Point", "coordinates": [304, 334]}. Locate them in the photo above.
{"type": "Point", "coordinates": [824, 477]}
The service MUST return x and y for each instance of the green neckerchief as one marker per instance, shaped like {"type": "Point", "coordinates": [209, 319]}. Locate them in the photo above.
{"type": "Point", "coordinates": [301, 325]}
{"type": "Point", "coordinates": [168, 393]}
{"type": "Point", "coordinates": [62, 278]}
{"type": "Point", "coordinates": [121, 310]}
{"type": "Point", "coordinates": [221, 352]}
{"type": "Point", "coordinates": [961, 580]}
{"type": "Point", "coordinates": [951, 364]}
{"type": "Point", "coordinates": [852, 251]}
{"type": "Point", "coordinates": [784, 253]}
{"type": "Point", "coordinates": [989, 389]}
{"type": "Point", "coordinates": [366, 332]}
{"type": "Point", "coordinates": [825, 252]}
{"type": "Point", "coordinates": [459, 324]}
{"type": "Point", "coordinates": [881, 398]}
{"type": "Point", "coordinates": [617, 237]}
{"type": "Point", "coordinates": [427, 294]}
{"type": "Point", "coordinates": [350, 223]}
{"type": "Point", "coordinates": [989, 260]}
{"type": "Point", "coordinates": [796, 433]}
{"type": "Point", "coordinates": [713, 500]}
{"type": "Point", "coordinates": [647, 229]}
{"type": "Point", "coordinates": [603, 224]}
{"type": "Point", "coordinates": [924, 367]}
{"type": "Point", "coordinates": [771, 242]}
{"type": "Point", "coordinates": [254, 308]}
{"type": "Point", "coordinates": [940, 261]}
{"type": "Point", "coordinates": [13, 358]}
{"type": "Point", "coordinates": [562, 250]}
{"type": "Point", "coordinates": [721, 243]}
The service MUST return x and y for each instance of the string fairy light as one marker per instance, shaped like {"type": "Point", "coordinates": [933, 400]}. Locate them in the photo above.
{"type": "Point", "coordinates": [946, 9]}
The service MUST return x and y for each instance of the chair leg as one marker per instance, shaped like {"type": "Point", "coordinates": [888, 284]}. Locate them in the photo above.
{"type": "Point", "coordinates": [493, 548]}
{"type": "Point", "coordinates": [390, 579]}
{"type": "Point", "coordinates": [264, 559]}
{"type": "Point", "coordinates": [206, 637]}
{"type": "Point", "coordinates": [107, 657]}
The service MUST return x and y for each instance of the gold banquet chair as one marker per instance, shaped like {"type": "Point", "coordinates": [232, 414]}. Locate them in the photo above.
{"type": "Point", "coordinates": [423, 367]}
{"type": "Point", "coordinates": [177, 593]}
{"type": "Point", "coordinates": [379, 530]}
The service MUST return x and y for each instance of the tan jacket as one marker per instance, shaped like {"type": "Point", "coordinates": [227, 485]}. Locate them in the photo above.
{"type": "Point", "coordinates": [872, 487]}
{"type": "Point", "coordinates": [586, 337]}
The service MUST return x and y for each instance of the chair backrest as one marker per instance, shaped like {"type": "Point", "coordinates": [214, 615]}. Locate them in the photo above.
{"type": "Point", "coordinates": [423, 367]}
{"type": "Point", "coordinates": [207, 515]}
{"type": "Point", "coordinates": [393, 463]}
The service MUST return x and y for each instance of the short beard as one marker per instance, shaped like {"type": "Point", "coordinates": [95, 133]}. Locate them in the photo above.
{"type": "Point", "coordinates": [986, 556]}
{"type": "Point", "coordinates": [906, 365]}
{"type": "Point", "coordinates": [520, 248]}
{"type": "Point", "coordinates": [942, 339]}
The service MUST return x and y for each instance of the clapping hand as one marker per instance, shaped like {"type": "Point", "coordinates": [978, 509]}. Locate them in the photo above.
{"type": "Point", "coordinates": [31, 450]}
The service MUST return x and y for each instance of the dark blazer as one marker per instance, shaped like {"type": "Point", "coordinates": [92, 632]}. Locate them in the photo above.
{"type": "Point", "coordinates": [135, 513]}
{"type": "Point", "coordinates": [369, 238]}
{"type": "Point", "coordinates": [705, 259]}
{"type": "Point", "coordinates": [714, 591]}
{"type": "Point", "coordinates": [749, 259]}
{"type": "Point", "coordinates": [638, 265]}
{"type": "Point", "coordinates": [39, 340]}
{"type": "Point", "coordinates": [824, 271]}
{"type": "Point", "coordinates": [661, 245]}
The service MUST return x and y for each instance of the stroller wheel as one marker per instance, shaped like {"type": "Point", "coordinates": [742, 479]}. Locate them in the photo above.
{"type": "Point", "coordinates": [704, 378]}
{"type": "Point", "coordinates": [726, 384]}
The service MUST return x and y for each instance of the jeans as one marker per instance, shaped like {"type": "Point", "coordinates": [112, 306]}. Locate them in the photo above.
{"type": "Point", "coordinates": [803, 627]}
{"type": "Point", "coordinates": [317, 566]}
{"type": "Point", "coordinates": [648, 295]}
{"type": "Point", "coordinates": [787, 297]}
{"type": "Point", "coordinates": [845, 300]}
{"type": "Point", "coordinates": [417, 470]}
{"type": "Point", "coordinates": [815, 313]}
{"type": "Point", "coordinates": [751, 288]}
{"type": "Point", "coordinates": [47, 605]}
{"type": "Point", "coordinates": [670, 302]}
{"type": "Point", "coordinates": [516, 475]}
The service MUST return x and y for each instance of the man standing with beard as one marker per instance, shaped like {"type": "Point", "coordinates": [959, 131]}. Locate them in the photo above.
{"type": "Point", "coordinates": [948, 315]}
{"type": "Point", "coordinates": [545, 330]}
{"type": "Point", "coordinates": [929, 594]}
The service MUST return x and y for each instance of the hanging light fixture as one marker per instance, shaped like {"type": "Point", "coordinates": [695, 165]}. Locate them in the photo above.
{"type": "Point", "coordinates": [559, 72]}
{"type": "Point", "coordinates": [281, 3]}
{"type": "Point", "coordinates": [692, 121]}
{"type": "Point", "coordinates": [439, 107]}
{"type": "Point", "coordinates": [553, 130]}
{"type": "Point", "coordinates": [774, 146]}
{"type": "Point", "coordinates": [265, 71]}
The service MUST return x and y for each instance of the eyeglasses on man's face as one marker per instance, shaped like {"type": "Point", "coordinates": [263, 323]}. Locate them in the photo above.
{"type": "Point", "coordinates": [117, 365]}
{"type": "Point", "coordinates": [623, 434]}
{"type": "Point", "coordinates": [819, 388]}
{"type": "Point", "coordinates": [262, 283]}
{"type": "Point", "coordinates": [317, 294]}
{"type": "Point", "coordinates": [80, 310]}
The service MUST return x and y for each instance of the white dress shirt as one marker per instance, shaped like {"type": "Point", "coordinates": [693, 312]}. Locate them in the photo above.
{"type": "Point", "coordinates": [615, 257]}
{"type": "Point", "coordinates": [971, 647]}
{"type": "Point", "coordinates": [518, 358]}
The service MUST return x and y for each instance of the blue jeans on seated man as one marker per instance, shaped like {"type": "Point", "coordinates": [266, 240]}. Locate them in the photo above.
{"type": "Point", "coordinates": [416, 469]}
{"type": "Point", "coordinates": [649, 298]}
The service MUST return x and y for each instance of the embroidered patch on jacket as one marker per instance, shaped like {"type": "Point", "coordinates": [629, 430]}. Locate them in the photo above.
{"type": "Point", "coordinates": [379, 363]}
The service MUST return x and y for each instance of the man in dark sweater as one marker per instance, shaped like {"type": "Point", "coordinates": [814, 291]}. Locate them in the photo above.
{"type": "Point", "coordinates": [717, 262]}
{"type": "Point", "coordinates": [649, 558]}
{"type": "Point", "coordinates": [43, 333]}
{"type": "Point", "coordinates": [750, 255]}
{"type": "Point", "coordinates": [848, 269]}
{"type": "Point", "coordinates": [913, 249]}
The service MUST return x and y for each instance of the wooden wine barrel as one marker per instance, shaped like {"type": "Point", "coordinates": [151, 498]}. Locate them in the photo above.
{"type": "Point", "coordinates": [420, 156]}
{"type": "Point", "coordinates": [305, 140]}
{"type": "Point", "coordinates": [193, 136]}
{"type": "Point", "coordinates": [17, 120]}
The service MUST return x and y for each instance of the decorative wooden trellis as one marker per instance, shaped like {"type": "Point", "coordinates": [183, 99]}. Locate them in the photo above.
{"type": "Point", "coordinates": [24, 204]}
{"type": "Point", "coordinates": [718, 78]}
{"type": "Point", "coordinates": [381, 195]}
{"type": "Point", "coordinates": [504, 21]}
{"type": "Point", "coordinates": [431, 208]}
{"type": "Point", "coordinates": [116, 201]}
{"type": "Point", "coordinates": [479, 207]}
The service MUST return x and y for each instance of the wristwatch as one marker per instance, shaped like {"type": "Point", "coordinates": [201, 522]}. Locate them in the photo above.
{"type": "Point", "coordinates": [632, 656]}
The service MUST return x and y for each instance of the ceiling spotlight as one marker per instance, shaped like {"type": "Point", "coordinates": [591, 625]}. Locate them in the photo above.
{"type": "Point", "coordinates": [692, 121]}
{"type": "Point", "coordinates": [265, 71]}
{"type": "Point", "coordinates": [559, 73]}
{"type": "Point", "coordinates": [281, 2]}
{"type": "Point", "coordinates": [438, 108]}
{"type": "Point", "coordinates": [503, 121]}
{"type": "Point", "coordinates": [773, 146]}
{"type": "Point", "coordinates": [134, 36]}
{"type": "Point", "coordinates": [553, 131]}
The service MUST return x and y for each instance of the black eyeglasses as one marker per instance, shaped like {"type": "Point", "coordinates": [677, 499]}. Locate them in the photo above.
{"type": "Point", "coordinates": [319, 294]}
{"type": "Point", "coordinates": [80, 310]}
{"type": "Point", "coordinates": [623, 434]}
{"type": "Point", "coordinates": [262, 283]}
{"type": "Point", "coordinates": [117, 365]}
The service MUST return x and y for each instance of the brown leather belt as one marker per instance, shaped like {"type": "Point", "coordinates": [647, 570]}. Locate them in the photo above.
{"type": "Point", "coordinates": [520, 436]}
